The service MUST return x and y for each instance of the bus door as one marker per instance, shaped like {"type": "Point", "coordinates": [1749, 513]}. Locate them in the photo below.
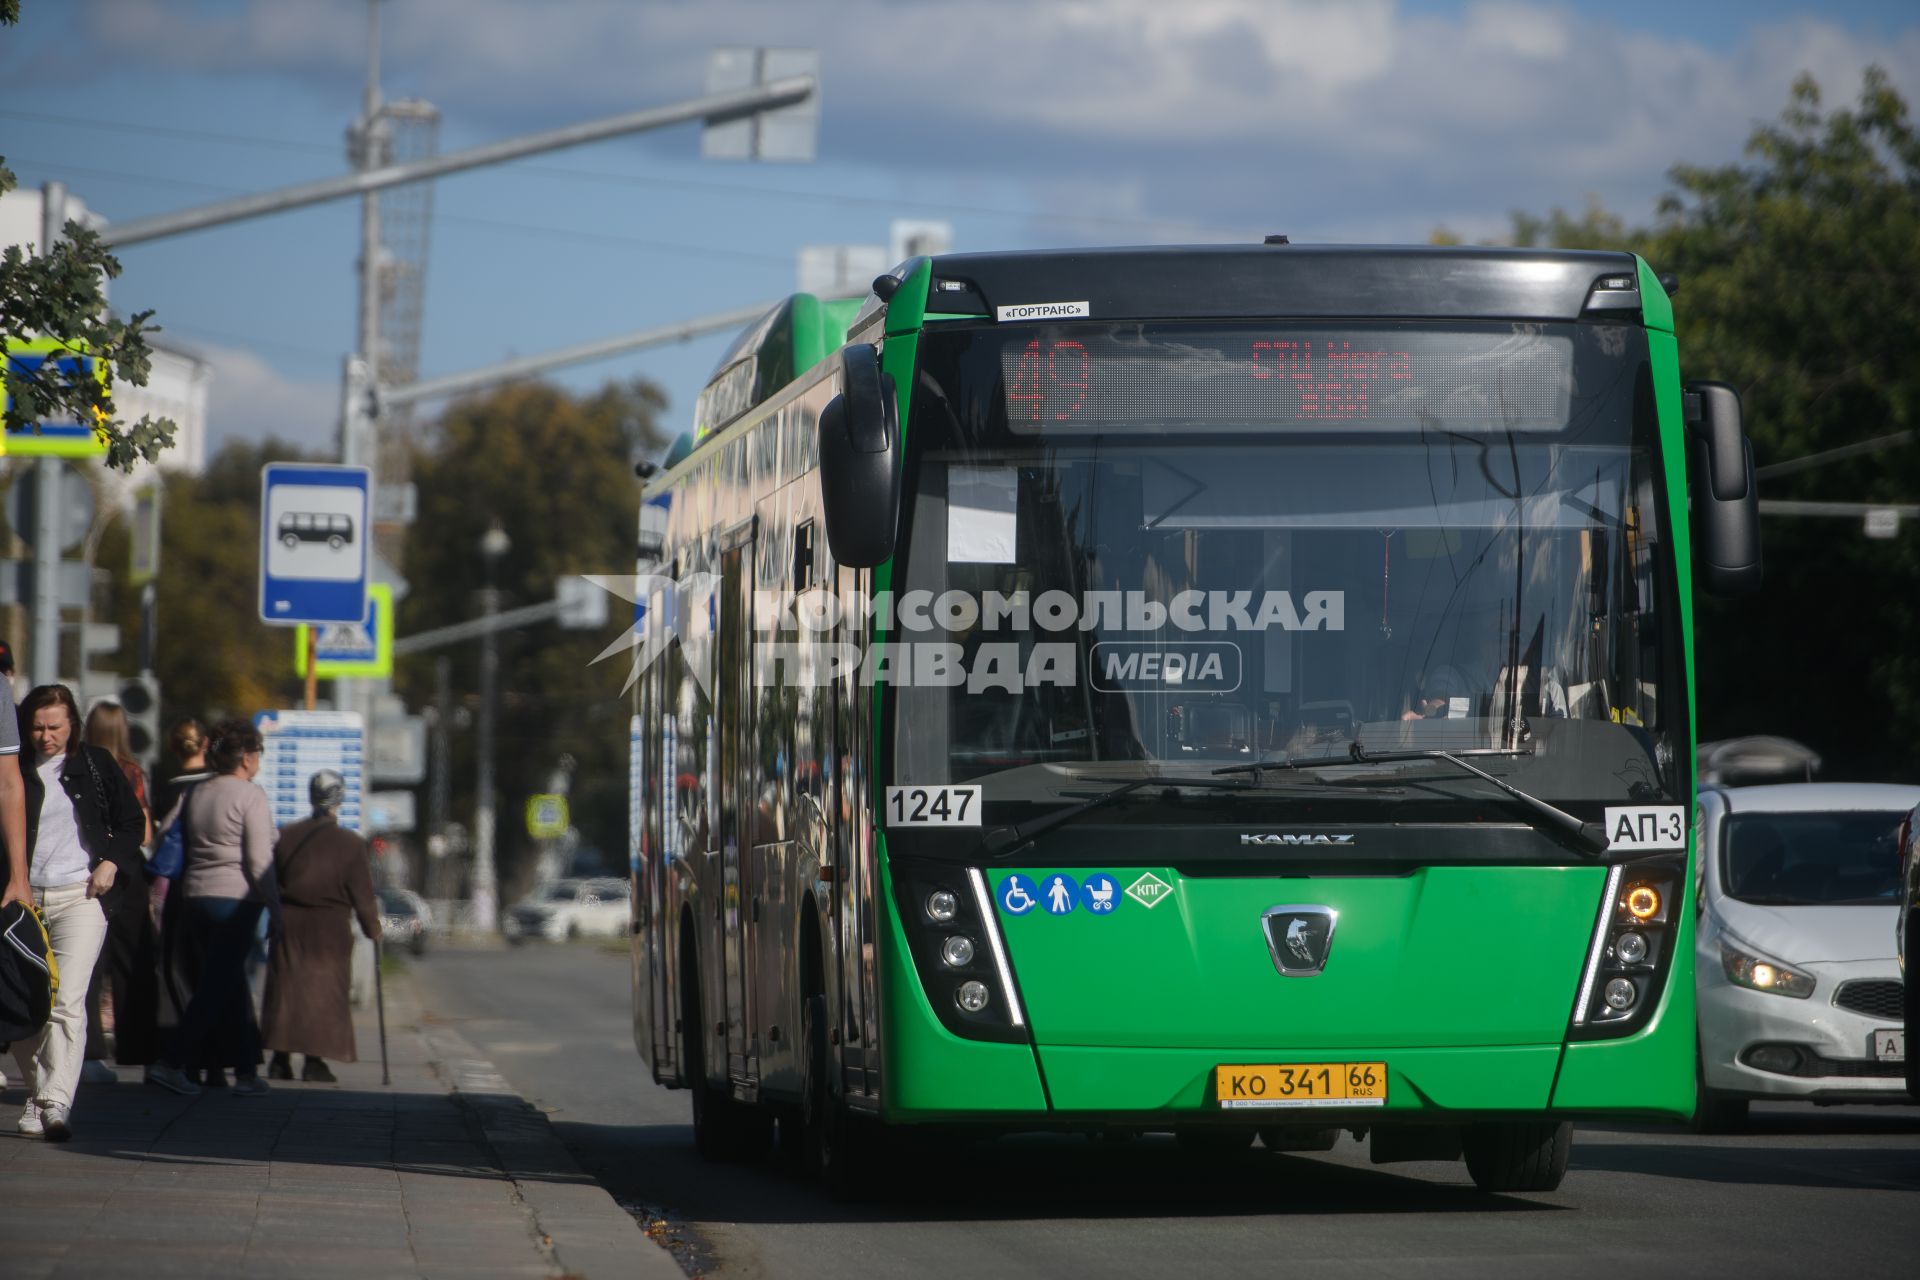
{"type": "Point", "coordinates": [733, 690]}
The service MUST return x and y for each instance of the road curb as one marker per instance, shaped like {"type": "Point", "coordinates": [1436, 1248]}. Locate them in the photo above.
{"type": "Point", "coordinates": [586, 1231]}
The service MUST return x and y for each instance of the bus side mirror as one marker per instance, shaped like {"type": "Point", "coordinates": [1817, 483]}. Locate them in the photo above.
{"type": "Point", "coordinates": [860, 463]}
{"type": "Point", "coordinates": [1726, 498]}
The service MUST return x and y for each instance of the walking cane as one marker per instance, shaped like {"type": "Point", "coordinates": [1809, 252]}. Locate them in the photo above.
{"type": "Point", "coordinates": [380, 1005]}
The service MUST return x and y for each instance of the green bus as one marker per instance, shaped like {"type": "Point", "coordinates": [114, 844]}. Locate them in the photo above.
{"type": "Point", "coordinates": [1235, 691]}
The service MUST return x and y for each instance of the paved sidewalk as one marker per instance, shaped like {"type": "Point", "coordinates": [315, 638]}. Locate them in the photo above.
{"type": "Point", "coordinates": [444, 1173]}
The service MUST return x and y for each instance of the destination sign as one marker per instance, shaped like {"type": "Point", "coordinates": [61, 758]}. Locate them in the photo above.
{"type": "Point", "coordinates": [1140, 378]}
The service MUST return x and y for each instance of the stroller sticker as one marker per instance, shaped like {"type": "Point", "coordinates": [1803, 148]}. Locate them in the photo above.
{"type": "Point", "coordinates": [1099, 893]}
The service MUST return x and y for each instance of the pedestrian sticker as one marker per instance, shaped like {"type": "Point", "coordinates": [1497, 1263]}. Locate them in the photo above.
{"type": "Point", "coordinates": [1060, 895]}
{"type": "Point", "coordinates": [1097, 893]}
{"type": "Point", "coordinates": [1018, 895]}
{"type": "Point", "coordinates": [1149, 890]}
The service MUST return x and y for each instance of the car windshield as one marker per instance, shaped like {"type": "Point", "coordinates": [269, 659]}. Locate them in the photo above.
{"type": "Point", "coordinates": [1151, 547]}
{"type": "Point", "coordinates": [394, 904]}
{"type": "Point", "coordinates": [561, 891]}
{"type": "Point", "coordinates": [1813, 859]}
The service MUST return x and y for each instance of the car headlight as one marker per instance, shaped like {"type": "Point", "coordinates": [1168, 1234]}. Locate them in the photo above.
{"type": "Point", "coordinates": [1757, 973]}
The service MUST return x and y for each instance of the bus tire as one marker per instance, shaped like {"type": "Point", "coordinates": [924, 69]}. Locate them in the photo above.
{"type": "Point", "coordinates": [838, 1150]}
{"type": "Point", "coordinates": [723, 1129]}
{"type": "Point", "coordinates": [1518, 1155]}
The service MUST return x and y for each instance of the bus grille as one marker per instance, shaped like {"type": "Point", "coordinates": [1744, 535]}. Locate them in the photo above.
{"type": "Point", "coordinates": [1876, 998]}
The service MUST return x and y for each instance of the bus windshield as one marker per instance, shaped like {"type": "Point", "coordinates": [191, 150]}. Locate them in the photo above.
{"type": "Point", "coordinates": [1173, 547]}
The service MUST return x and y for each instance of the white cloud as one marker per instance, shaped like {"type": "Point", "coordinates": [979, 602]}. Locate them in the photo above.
{"type": "Point", "coordinates": [249, 399]}
{"type": "Point", "coordinates": [1220, 112]}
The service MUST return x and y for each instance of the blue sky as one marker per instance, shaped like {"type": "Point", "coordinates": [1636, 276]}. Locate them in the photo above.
{"type": "Point", "coordinates": [1024, 123]}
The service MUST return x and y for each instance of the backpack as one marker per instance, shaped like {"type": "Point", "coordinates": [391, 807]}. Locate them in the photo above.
{"type": "Point", "coordinates": [29, 975]}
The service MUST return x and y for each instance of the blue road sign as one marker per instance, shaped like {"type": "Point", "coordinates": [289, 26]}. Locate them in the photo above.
{"type": "Point", "coordinates": [314, 540]}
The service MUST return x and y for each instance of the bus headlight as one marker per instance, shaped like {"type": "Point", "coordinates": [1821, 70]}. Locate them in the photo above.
{"type": "Point", "coordinates": [972, 996]}
{"type": "Point", "coordinates": [942, 906]}
{"type": "Point", "coordinates": [1756, 973]}
{"type": "Point", "coordinates": [957, 951]}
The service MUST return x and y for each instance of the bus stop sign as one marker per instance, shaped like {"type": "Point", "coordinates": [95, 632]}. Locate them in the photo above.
{"type": "Point", "coordinates": [313, 543]}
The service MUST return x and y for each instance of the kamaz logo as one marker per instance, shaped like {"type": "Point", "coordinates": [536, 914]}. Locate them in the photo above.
{"type": "Point", "coordinates": [1289, 837]}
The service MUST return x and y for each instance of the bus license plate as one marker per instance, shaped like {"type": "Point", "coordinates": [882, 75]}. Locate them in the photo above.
{"type": "Point", "coordinates": [1303, 1084]}
{"type": "Point", "coordinates": [1890, 1045]}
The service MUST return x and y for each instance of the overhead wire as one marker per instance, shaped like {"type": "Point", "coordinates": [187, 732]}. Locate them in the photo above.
{"type": "Point", "coordinates": [1158, 225]}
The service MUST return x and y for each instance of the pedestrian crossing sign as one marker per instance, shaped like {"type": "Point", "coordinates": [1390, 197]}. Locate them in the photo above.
{"type": "Point", "coordinates": [351, 649]}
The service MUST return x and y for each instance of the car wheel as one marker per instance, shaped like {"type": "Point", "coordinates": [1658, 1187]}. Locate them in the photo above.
{"type": "Point", "coordinates": [336, 542]}
{"type": "Point", "coordinates": [288, 541]}
{"type": "Point", "coordinates": [1518, 1156]}
{"type": "Point", "coordinates": [419, 946]}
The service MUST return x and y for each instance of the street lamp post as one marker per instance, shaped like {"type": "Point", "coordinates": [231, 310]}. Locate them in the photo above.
{"type": "Point", "coordinates": [486, 907]}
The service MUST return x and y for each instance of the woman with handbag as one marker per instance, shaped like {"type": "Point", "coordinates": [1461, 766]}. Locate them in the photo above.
{"type": "Point", "coordinates": [83, 838]}
{"type": "Point", "coordinates": [228, 882]}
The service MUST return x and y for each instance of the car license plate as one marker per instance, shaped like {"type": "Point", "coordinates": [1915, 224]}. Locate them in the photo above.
{"type": "Point", "coordinates": [1302, 1084]}
{"type": "Point", "coordinates": [1890, 1045]}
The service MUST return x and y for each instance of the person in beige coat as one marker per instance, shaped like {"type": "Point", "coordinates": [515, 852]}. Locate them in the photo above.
{"type": "Point", "coordinates": [324, 879]}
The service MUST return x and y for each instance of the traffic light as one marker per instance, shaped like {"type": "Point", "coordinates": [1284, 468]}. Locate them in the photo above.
{"type": "Point", "coordinates": [140, 697]}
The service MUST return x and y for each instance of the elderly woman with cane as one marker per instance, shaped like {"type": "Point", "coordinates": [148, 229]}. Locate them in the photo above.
{"type": "Point", "coordinates": [324, 879]}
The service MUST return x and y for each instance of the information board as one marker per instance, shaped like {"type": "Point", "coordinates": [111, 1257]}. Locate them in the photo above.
{"type": "Point", "coordinates": [300, 744]}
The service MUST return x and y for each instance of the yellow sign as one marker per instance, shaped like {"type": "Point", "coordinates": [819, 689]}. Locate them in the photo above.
{"type": "Point", "coordinates": [352, 649]}
{"type": "Point", "coordinates": [54, 439]}
{"type": "Point", "coordinates": [547, 816]}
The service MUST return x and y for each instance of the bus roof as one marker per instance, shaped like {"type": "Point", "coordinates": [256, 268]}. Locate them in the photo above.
{"type": "Point", "coordinates": [799, 332]}
{"type": "Point", "coordinates": [1286, 280]}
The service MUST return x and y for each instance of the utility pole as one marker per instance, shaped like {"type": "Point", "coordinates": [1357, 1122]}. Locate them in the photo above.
{"type": "Point", "coordinates": [46, 483]}
{"type": "Point", "coordinates": [486, 906]}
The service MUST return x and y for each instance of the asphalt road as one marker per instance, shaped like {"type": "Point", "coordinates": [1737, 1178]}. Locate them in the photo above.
{"type": "Point", "coordinates": [1827, 1192]}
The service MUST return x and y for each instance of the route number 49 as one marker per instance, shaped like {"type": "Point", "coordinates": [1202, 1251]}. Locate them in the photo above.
{"type": "Point", "coordinates": [933, 806]}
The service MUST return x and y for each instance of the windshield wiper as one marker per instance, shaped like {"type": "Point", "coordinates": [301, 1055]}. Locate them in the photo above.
{"type": "Point", "coordinates": [1002, 842]}
{"type": "Point", "coordinates": [1591, 837]}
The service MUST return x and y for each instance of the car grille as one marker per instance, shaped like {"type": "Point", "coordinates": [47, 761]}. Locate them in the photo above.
{"type": "Point", "coordinates": [1876, 998]}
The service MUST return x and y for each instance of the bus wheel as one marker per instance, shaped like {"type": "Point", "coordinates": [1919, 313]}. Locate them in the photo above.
{"type": "Point", "coordinates": [723, 1129]}
{"type": "Point", "coordinates": [1518, 1156]}
{"type": "Point", "coordinates": [838, 1150]}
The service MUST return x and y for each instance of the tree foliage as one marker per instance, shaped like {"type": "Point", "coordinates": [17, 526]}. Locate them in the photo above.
{"type": "Point", "coordinates": [61, 294]}
{"type": "Point", "coordinates": [556, 471]}
{"type": "Point", "coordinates": [1796, 269]}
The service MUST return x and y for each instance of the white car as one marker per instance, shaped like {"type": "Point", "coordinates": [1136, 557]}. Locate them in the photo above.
{"type": "Point", "coordinates": [1800, 994]}
{"type": "Point", "coordinates": [567, 909]}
